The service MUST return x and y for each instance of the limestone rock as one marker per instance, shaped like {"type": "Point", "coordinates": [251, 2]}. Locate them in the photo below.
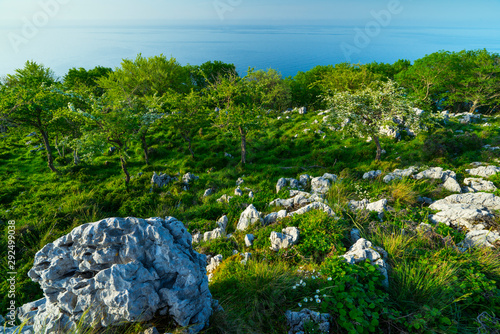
{"type": "Point", "coordinates": [284, 182]}
{"type": "Point", "coordinates": [321, 185]}
{"type": "Point", "coordinates": [162, 179]}
{"type": "Point", "coordinates": [208, 192]}
{"type": "Point", "coordinates": [249, 238]}
{"type": "Point", "coordinates": [213, 264]}
{"type": "Point", "coordinates": [274, 217]}
{"type": "Point", "coordinates": [251, 195]}
{"type": "Point", "coordinates": [481, 238]}
{"type": "Point", "coordinates": [302, 111]}
{"type": "Point", "coordinates": [281, 184]}
{"type": "Point", "coordinates": [452, 185]}
{"type": "Point", "coordinates": [398, 174]}
{"type": "Point", "coordinates": [379, 206]}
{"type": "Point", "coordinates": [103, 263]}
{"type": "Point", "coordinates": [222, 222]}
{"type": "Point", "coordinates": [372, 174]}
{"type": "Point", "coordinates": [224, 199]}
{"type": "Point", "coordinates": [238, 192]}
{"type": "Point", "coordinates": [436, 173]}
{"type": "Point", "coordinates": [363, 250]}
{"type": "Point", "coordinates": [483, 171]}
{"type": "Point", "coordinates": [240, 181]}
{"type": "Point", "coordinates": [188, 178]}
{"type": "Point", "coordinates": [313, 206]}
{"type": "Point", "coordinates": [289, 237]}
{"type": "Point", "coordinates": [477, 185]}
{"type": "Point", "coordinates": [249, 217]}
{"type": "Point", "coordinates": [297, 320]}
{"type": "Point", "coordinates": [304, 180]}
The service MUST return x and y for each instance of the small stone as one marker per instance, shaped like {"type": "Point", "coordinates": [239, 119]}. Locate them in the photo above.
{"type": "Point", "coordinates": [249, 238]}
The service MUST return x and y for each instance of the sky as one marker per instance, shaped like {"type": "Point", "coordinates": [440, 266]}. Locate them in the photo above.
{"type": "Point", "coordinates": [230, 11]}
{"type": "Point", "coordinates": [32, 29]}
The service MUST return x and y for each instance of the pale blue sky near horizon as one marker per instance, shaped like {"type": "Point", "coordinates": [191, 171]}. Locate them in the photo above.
{"type": "Point", "coordinates": [47, 42]}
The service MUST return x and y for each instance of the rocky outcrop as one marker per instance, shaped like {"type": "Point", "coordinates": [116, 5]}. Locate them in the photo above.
{"type": "Point", "coordinates": [162, 180]}
{"type": "Point", "coordinates": [372, 174]}
{"type": "Point", "coordinates": [289, 237]}
{"type": "Point", "coordinates": [363, 250]}
{"type": "Point", "coordinates": [297, 321]}
{"type": "Point", "coordinates": [398, 174]}
{"type": "Point", "coordinates": [304, 180]}
{"type": "Point", "coordinates": [274, 217]}
{"type": "Point", "coordinates": [483, 171]}
{"type": "Point", "coordinates": [224, 199]}
{"type": "Point", "coordinates": [379, 206]}
{"type": "Point", "coordinates": [473, 211]}
{"type": "Point", "coordinates": [297, 199]}
{"type": "Point", "coordinates": [321, 185]}
{"type": "Point", "coordinates": [213, 263]}
{"type": "Point", "coordinates": [477, 185]}
{"type": "Point", "coordinates": [313, 206]}
{"type": "Point", "coordinates": [436, 173]}
{"type": "Point", "coordinates": [286, 182]}
{"type": "Point", "coordinates": [122, 269]}
{"type": "Point", "coordinates": [249, 217]}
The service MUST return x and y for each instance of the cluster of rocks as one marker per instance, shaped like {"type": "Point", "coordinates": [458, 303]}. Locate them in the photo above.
{"type": "Point", "coordinates": [162, 180]}
{"type": "Point", "coordinates": [119, 270]}
{"type": "Point", "coordinates": [472, 212]}
{"type": "Point", "coordinates": [288, 237]}
{"type": "Point", "coordinates": [297, 199]}
{"type": "Point", "coordinates": [297, 320]}
{"type": "Point", "coordinates": [217, 233]}
{"type": "Point", "coordinates": [378, 206]}
{"type": "Point", "coordinates": [363, 250]}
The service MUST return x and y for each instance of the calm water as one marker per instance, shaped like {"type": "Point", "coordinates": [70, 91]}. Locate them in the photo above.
{"type": "Point", "coordinates": [286, 48]}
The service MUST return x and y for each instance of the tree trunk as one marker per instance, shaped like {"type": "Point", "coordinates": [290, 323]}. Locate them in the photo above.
{"type": "Point", "coordinates": [473, 107]}
{"type": "Point", "coordinates": [124, 169]}
{"type": "Point", "coordinates": [50, 157]}
{"type": "Point", "coordinates": [243, 145]}
{"type": "Point", "coordinates": [76, 159]}
{"type": "Point", "coordinates": [57, 147]}
{"type": "Point", "coordinates": [145, 148]}
{"type": "Point", "coordinates": [379, 148]}
{"type": "Point", "coordinates": [188, 140]}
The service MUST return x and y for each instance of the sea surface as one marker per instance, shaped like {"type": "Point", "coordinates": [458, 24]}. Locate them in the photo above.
{"type": "Point", "coordinates": [287, 48]}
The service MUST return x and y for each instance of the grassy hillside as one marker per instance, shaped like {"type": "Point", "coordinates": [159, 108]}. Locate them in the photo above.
{"type": "Point", "coordinates": [434, 288]}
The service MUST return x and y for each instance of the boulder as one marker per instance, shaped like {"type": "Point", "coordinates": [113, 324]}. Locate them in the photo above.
{"type": "Point", "coordinates": [188, 178]}
{"type": "Point", "coordinates": [298, 199]}
{"type": "Point", "coordinates": [238, 192]}
{"type": "Point", "coordinates": [297, 321]}
{"type": "Point", "coordinates": [452, 185]}
{"type": "Point", "coordinates": [286, 182]}
{"type": "Point", "coordinates": [208, 192]}
{"type": "Point", "coordinates": [249, 217]}
{"type": "Point", "coordinates": [477, 185]}
{"type": "Point", "coordinates": [379, 206]}
{"type": "Point", "coordinates": [480, 238]}
{"type": "Point", "coordinates": [372, 174]}
{"type": "Point", "coordinates": [240, 181]}
{"type": "Point", "coordinates": [133, 267]}
{"type": "Point", "coordinates": [222, 222]}
{"type": "Point", "coordinates": [251, 195]}
{"type": "Point", "coordinates": [216, 233]}
{"type": "Point", "coordinates": [289, 237]}
{"type": "Point", "coordinates": [302, 111]}
{"type": "Point", "coordinates": [483, 171]}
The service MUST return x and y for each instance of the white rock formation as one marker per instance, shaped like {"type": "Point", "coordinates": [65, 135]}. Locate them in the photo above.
{"type": "Point", "coordinates": [249, 217]}
{"type": "Point", "coordinates": [398, 174]}
{"type": "Point", "coordinates": [372, 174]}
{"type": "Point", "coordinates": [363, 250]}
{"type": "Point", "coordinates": [477, 185]}
{"type": "Point", "coordinates": [131, 267]}
{"type": "Point", "coordinates": [483, 171]}
{"type": "Point", "coordinates": [297, 321]}
{"type": "Point", "coordinates": [289, 237]}
{"type": "Point", "coordinates": [313, 206]}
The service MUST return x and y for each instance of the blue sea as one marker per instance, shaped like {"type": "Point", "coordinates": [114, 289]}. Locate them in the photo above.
{"type": "Point", "coordinates": [287, 48]}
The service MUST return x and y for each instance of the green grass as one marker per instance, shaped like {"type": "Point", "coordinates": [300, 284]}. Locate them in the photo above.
{"type": "Point", "coordinates": [433, 287]}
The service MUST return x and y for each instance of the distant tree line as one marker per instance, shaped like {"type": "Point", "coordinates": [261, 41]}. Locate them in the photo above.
{"type": "Point", "coordinates": [87, 111]}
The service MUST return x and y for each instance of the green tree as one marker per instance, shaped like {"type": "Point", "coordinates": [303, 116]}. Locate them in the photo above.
{"type": "Point", "coordinates": [29, 100]}
{"type": "Point", "coordinates": [366, 112]}
{"type": "Point", "coordinates": [186, 112]}
{"type": "Point", "coordinates": [209, 72]}
{"type": "Point", "coordinates": [82, 79]}
{"type": "Point", "coordinates": [140, 84]}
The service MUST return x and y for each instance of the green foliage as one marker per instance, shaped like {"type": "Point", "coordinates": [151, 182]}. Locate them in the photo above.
{"type": "Point", "coordinates": [352, 294]}
{"type": "Point", "coordinates": [444, 143]}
